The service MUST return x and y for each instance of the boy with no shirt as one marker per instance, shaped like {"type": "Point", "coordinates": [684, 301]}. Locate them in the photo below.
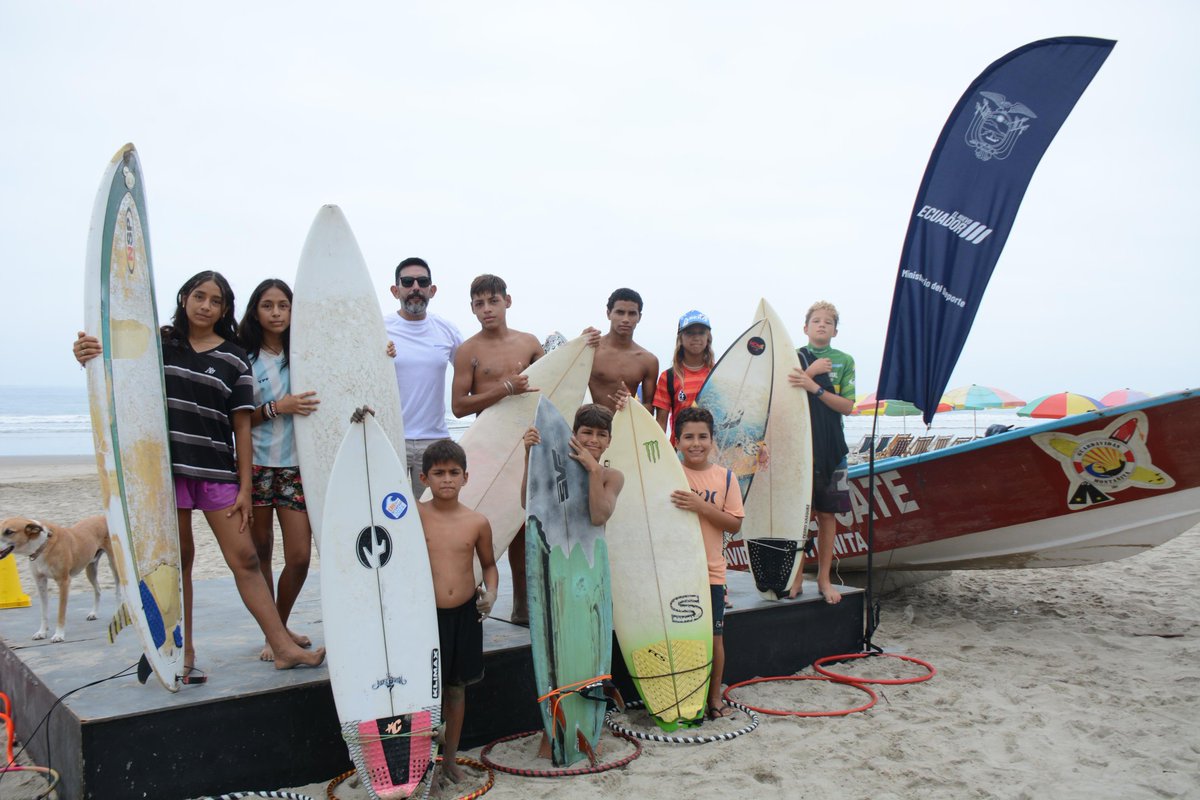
{"type": "Point", "coordinates": [621, 364]}
{"type": "Point", "coordinates": [487, 368]}
{"type": "Point", "coordinates": [454, 535]}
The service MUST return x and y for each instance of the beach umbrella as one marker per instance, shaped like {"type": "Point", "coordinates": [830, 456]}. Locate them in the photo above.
{"type": "Point", "coordinates": [891, 408]}
{"type": "Point", "coordinates": [1119, 397]}
{"type": "Point", "coordinates": [1059, 405]}
{"type": "Point", "coordinates": [977, 398]}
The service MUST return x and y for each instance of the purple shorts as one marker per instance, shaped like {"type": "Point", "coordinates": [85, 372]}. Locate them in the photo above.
{"type": "Point", "coordinates": [192, 493]}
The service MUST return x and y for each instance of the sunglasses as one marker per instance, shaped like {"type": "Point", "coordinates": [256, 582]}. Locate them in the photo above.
{"type": "Point", "coordinates": [407, 281]}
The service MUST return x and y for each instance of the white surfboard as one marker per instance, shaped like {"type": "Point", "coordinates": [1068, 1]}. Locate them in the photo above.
{"type": "Point", "coordinates": [380, 616]}
{"type": "Point", "coordinates": [338, 350]}
{"type": "Point", "coordinates": [494, 446]}
{"type": "Point", "coordinates": [129, 418]}
{"type": "Point", "coordinates": [778, 503]}
{"type": "Point", "coordinates": [662, 611]}
{"type": "Point", "coordinates": [762, 433]}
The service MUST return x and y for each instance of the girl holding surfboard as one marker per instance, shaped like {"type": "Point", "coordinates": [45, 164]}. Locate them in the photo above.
{"type": "Point", "coordinates": [210, 398]}
{"type": "Point", "coordinates": [264, 334]}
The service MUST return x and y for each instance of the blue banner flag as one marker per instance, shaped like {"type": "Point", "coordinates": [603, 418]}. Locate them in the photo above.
{"type": "Point", "coordinates": [978, 173]}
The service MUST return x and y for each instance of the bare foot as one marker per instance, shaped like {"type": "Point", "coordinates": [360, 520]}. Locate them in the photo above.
{"type": "Point", "coordinates": [300, 639]}
{"type": "Point", "coordinates": [830, 594]}
{"type": "Point", "coordinates": [300, 658]}
{"type": "Point", "coordinates": [267, 653]}
{"type": "Point", "coordinates": [451, 773]}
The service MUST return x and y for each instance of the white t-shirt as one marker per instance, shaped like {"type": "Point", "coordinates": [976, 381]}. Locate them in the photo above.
{"type": "Point", "coordinates": [424, 349]}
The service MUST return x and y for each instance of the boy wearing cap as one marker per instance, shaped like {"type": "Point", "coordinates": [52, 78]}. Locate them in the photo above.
{"type": "Point", "coordinates": [692, 361]}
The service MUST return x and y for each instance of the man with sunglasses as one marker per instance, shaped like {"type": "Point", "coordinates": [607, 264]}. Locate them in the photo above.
{"type": "Point", "coordinates": [425, 346]}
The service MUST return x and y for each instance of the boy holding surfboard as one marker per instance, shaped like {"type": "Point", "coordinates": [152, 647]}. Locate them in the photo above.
{"type": "Point", "coordinates": [828, 377]}
{"type": "Point", "coordinates": [716, 498]}
{"type": "Point", "coordinates": [454, 535]}
{"type": "Point", "coordinates": [487, 369]}
{"type": "Point", "coordinates": [622, 366]}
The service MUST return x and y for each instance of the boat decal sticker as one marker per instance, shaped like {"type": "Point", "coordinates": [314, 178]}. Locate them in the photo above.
{"type": "Point", "coordinates": [1102, 462]}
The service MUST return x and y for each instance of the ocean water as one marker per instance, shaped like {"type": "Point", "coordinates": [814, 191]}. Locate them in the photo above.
{"type": "Point", "coordinates": [54, 421]}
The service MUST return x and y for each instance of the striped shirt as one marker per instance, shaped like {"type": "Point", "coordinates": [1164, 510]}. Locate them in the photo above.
{"type": "Point", "coordinates": [203, 391]}
{"type": "Point", "coordinates": [274, 439]}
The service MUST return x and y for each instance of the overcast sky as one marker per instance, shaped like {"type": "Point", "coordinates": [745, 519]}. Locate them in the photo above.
{"type": "Point", "coordinates": [706, 154]}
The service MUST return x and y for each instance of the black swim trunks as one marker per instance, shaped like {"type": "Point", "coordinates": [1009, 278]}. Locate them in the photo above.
{"type": "Point", "coordinates": [461, 633]}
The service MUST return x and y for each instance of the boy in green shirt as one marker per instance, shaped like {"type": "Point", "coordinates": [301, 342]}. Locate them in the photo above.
{"type": "Point", "coordinates": [828, 377]}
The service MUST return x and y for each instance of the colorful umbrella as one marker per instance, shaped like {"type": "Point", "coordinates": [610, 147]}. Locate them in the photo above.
{"type": "Point", "coordinates": [1120, 397]}
{"type": "Point", "coordinates": [977, 398]}
{"type": "Point", "coordinates": [867, 406]}
{"type": "Point", "coordinates": [1059, 405]}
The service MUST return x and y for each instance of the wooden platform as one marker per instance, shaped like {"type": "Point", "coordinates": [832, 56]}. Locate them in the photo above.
{"type": "Point", "coordinates": [254, 727]}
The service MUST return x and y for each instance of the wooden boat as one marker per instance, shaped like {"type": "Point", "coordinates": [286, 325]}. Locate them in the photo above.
{"type": "Point", "coordinates": [1089, 488]}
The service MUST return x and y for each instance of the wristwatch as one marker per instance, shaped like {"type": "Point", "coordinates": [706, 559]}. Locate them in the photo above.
{"type": "Point", "coordinates": [820, 391]}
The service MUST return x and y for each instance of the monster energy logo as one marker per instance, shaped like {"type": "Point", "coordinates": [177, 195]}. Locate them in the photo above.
{"type": "Point", "coordinates": [652, 451]}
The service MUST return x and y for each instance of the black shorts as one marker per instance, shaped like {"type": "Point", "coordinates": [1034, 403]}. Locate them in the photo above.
{"type": "Point", "coordinates": [718, 608]}
{"type": "Point", "coordinates": [460, 632]}
{"type": "Point", "coordinates": [833, 497]}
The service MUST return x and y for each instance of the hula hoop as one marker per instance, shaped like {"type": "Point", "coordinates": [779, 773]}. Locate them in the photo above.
{"type": "Point", "coordinates": [557, 773]}
{"type": "Point", "coordinates": [622, 730]}
{"type": "Point", "coordinates": [879, 681]}
{"type": "Point", "coordinates": [52, 776]}
{"type": "Point", "coordinates": [239, 795]}
{"type": "Point", "coordinates": [775, 712]}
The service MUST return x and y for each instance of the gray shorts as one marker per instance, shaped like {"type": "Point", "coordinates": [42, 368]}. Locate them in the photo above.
{"type": "Point", "coordinates": [414, 450]}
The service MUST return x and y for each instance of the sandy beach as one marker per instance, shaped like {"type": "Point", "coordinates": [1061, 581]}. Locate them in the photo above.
{"type": "Point", "coordinates": [1082, 682]}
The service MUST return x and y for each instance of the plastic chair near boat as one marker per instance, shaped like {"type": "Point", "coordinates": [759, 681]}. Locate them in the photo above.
{"type": "Point", "coordinates": [941, 441]}
{"type": "Point", "coordinates": [920, 445]}
{"type": "Point", "coordinates": [962, 440]}
{"type": "Point", "coordinates": [882, 445]}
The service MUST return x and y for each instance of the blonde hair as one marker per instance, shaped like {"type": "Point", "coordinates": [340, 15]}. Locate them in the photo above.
{"type": "Point", "coordinates": [822, 305]}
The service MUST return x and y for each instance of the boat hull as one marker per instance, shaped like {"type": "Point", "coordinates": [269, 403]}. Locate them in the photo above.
{"type": "Point", "coordinates": [1082, 490]}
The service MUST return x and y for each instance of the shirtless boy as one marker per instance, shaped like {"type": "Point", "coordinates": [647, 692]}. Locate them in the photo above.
{"type": "Point", "coordinates": [487, 368]}
{"type": "Point", "coordinates": [454, 534]}
{"type": "Point", "coordinates": [621, 364]}
{"type": "Point", "coordinates": [591, 435]}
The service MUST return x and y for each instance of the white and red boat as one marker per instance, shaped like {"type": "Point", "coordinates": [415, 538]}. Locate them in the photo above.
{"type": "Point", "coordinates": [1081, 490]}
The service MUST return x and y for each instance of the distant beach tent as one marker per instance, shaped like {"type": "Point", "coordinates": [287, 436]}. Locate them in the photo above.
{"type": "Point", "coordinates": [978, 398]}
{"type": "Point", "coordinates": [1059, 405]}
{"type": "Point", "coordinates": [1119, 397]}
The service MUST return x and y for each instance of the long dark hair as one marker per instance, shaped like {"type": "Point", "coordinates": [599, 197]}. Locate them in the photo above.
{"type": "Point", "coordinates": [250, 331]}
{"type": "Point", "coordinates": [226, 326]}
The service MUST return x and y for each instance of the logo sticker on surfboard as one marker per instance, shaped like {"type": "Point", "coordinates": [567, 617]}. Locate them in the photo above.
{"type": "Point", "coordinates": [395, 505]}
{"type": "Point", "coordinates": [756, 346]}
{"type": "Point", "coordinates": [373, 547]}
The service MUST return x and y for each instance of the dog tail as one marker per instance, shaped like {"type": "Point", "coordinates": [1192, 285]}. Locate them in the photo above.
{"type": "Point", "coordinates": [119, 621]}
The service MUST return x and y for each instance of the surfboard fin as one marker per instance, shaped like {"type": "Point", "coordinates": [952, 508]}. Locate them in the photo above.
{"type": "Point", "coordinates": [585, 747]}
{"type": "Point", "coordinates": [143, 669]}
{"type": "Point", "coordinates": [120, 620]}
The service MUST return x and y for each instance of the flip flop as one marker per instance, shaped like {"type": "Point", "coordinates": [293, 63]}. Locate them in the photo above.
{"type": "Point", "coordinates": [720, 712]}
{"type": "Point", "coordinates": [193, 676]}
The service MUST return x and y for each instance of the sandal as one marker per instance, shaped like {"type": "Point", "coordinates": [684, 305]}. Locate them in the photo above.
{"type": "Point", "coordinates": [193, 676]}
{"type": "Point", "coordinates": [720, 712]}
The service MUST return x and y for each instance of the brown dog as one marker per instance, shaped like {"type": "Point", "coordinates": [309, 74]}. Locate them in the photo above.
{"type": "Point", "coordinates": [57, 553]}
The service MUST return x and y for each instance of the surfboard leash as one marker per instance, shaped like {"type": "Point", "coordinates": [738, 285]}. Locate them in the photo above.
{"type": "Point", "coordinates": [617, 728]}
